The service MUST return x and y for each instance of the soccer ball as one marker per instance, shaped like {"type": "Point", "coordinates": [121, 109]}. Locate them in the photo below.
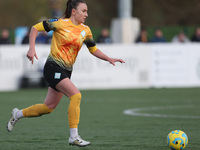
{"type": "Point", "coordinates": [177, 140]}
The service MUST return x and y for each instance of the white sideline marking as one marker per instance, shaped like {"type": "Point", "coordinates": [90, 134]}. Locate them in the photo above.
{"type": "Point", "coordinates": [138, 112]}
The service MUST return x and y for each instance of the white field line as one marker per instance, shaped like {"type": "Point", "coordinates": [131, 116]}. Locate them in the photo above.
{"type": "Point", "coordinates": [138, 112]}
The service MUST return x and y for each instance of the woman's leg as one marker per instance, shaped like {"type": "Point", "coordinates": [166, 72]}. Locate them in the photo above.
{"type": "Point", "coordinates": [67, 87]}
{"type": "Point", "coordinates": [52, 99]}
{"type": "Point", "coordinates": [70, 90]}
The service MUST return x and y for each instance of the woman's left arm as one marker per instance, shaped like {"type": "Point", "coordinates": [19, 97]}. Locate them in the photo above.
{"type": "Point", "coordinates": [101, 55]}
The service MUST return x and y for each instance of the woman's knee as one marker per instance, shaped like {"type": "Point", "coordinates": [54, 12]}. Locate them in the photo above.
{"type": "Point", "coordinates": [76, 97]}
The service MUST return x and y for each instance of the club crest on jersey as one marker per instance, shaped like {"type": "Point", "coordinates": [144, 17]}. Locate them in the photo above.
{"type": "Point", "coordinates": [83, 33]}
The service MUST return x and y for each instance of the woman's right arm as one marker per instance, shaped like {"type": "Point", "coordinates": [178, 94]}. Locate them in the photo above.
{"type": "Point", "coordinates": [31, 52]}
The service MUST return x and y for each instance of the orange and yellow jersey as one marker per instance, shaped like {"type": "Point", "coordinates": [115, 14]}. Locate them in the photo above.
{"type": "Point", "coordinates": [67, 40]}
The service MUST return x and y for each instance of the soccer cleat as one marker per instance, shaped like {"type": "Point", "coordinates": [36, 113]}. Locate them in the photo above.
{"type": "Point", "coordinates": [12, 120]}
{"type": "Point", "coordinates": [78, 142]}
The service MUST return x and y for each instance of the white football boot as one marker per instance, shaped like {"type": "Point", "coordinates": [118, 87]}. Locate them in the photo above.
{"type": "Point", "coordinates": [78, 142]}
{"type": "Point", "coordinates": [12, 120]}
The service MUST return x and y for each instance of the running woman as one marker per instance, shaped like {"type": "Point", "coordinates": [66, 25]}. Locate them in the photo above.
{"type": "Point", "coordinates": [68, 36]}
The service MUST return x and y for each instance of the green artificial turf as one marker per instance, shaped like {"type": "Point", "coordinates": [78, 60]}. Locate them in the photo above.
{"type": "Point", "coordinates": [102, 120]}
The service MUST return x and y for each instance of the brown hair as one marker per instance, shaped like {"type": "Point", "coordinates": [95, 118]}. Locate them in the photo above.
{"type": "Point", "coordinates": [71, 4]}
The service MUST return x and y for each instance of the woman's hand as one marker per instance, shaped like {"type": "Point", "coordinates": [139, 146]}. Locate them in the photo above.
{"type": "Point", "coordinates": [31, 54]}
{"type": "Point", "coordinates": [113, 60]}
{"type": "Point", "coordinates": [102, 56]}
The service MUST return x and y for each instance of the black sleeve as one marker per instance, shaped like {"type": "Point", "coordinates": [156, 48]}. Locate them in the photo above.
{"type": "Point", "coordinates": [90, 43]}
{"type": "Point", "coordinates": [46, 25]}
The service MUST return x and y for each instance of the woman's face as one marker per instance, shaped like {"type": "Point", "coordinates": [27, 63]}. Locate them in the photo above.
{"type": "Point", "coordinates": [80, 13]}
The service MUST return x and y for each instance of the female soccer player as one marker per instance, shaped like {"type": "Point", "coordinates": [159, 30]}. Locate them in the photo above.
{"type": "Point", "coordinates": [68, 36]}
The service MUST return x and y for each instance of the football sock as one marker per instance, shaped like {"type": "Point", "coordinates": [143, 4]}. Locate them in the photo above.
{"type": "Point", "coordinates": [36, 110]}
{"type": "Point", "coordinates": [74, 110]}
{"type": "Point", "coordinates": [73, 132]}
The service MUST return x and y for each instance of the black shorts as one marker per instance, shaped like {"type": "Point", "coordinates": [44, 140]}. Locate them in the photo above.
{"type": "Point", "coordinates": [53, 74]}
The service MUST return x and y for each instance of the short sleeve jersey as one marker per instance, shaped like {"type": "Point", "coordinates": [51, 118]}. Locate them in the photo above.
{"type": "Point", "coordinates": [67, 40]}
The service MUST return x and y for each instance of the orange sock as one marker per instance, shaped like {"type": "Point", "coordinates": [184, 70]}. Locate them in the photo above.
{"type": "Point", "coordinates": [36, 110]}
{"type": "Point", "coordinates": [74, 110]}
